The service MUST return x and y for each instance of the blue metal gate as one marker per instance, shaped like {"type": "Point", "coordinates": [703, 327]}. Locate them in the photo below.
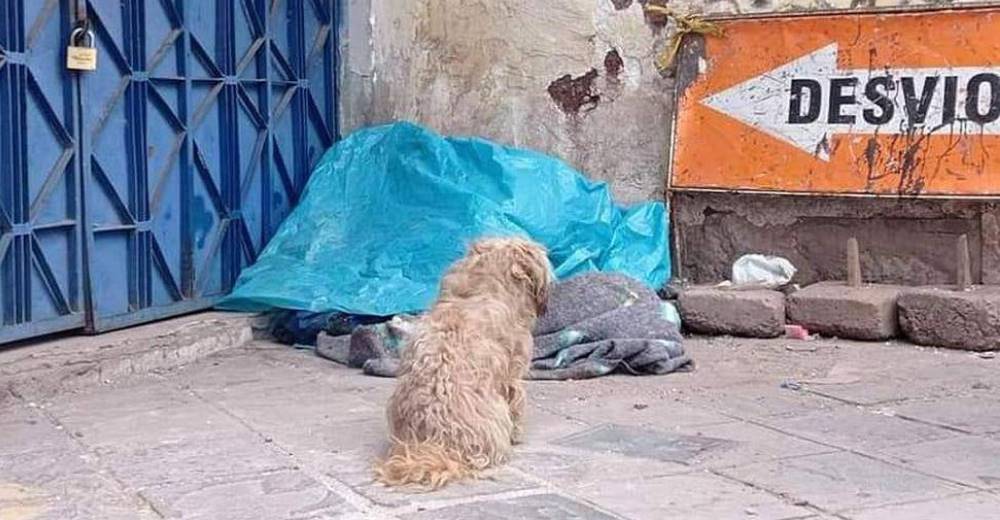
{"type": "Point", "coordinates": [175, 160]}
{"type": "Point", "coordinates": [40, 210]}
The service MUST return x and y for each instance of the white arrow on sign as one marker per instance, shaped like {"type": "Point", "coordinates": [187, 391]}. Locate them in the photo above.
{"type": "Point", "coordinates": [863, 101]}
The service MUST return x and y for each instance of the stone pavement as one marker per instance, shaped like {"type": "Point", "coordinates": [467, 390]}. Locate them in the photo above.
{"type": "Point", "coordinates": [763, 429]}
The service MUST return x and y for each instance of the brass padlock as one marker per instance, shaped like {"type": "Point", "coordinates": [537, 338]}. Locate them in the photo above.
{"type": "Point", "coordinates": [81, 58]}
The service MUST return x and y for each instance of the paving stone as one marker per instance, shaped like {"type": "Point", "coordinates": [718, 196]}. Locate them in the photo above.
{"type": "Point", "coordinates": [692, 496]}
{"type": "Point", "coordinates": [834, 309]}
{"type": "Point", "coordinates": [366, 515]}
{"type": "Point", "coordinates": [966, 506]}
{"type": "Point", "coordinates": [63, 485]}
{"type": "Point", "coordinates": [971, 414]}
{"type": "Point", "coordinates": [241, 370]}
{"type": "Point", "coordinates": [968, 320]}
{"type": "Point", "coordinates": [271, 496]}
{"type": "Point", "coordinates": [967, 459]}
{"type": "Point", "coordinates": [541, 426]}
{"type": "Point", "coordinates": [750, 443]}
{"type": "Point", "coordinates": [632, 441]}
{"type": "Point", "coordinates": [839, 481]}
{"type": "Point", "coordinates": [763, 400]}
{"type": "Point", "coordinates": [346, 452]}
{"type": "Point", "coordinates": [357, 473]}
{"type": "Point", "coordinates": [569, 468]}
{"type": "Point", "coordinates": [858, 429]}
{"type": "Point", "coordinates": [295, 403]}
{"type": "Point", "coordinates": [23, 430]}
{"type": "Point", "coordinates": [365, 439]}
{"type": "Point", "coordinates": [877, 389]}
{"type": "Point", "coordinates": [532, 507]}
{"type": "Point", "coordinates": [192, 460]}
{"type": "Point", "coordinates": [630, 408]}
{"type": "Point", "coordinates": [711, 310]}
{"type": "Point", "coordinates": [142, 415]}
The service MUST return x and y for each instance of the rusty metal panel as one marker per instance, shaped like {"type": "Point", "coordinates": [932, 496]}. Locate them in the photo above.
{"type": "Point", "coordinates": [897, 104]}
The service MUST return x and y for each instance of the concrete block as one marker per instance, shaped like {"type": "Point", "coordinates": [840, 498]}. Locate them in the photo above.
{"type": "Point", "coordinates": [968, 320]}
{"type": "Point", "coordinates": [753, 313]}
{"type": "Point", "coordinates": [835, 309]}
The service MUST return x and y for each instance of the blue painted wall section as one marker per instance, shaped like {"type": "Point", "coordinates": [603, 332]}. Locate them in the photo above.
{"type": "Point", "coordinates": [195, 137]}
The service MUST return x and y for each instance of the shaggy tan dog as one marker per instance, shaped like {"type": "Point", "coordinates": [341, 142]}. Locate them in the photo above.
{"type": "Point", "coordinates": [459, 400]}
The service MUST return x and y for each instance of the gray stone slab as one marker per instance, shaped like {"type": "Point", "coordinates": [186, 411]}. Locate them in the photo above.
{"type": "Point", "coordinates": [834, 309]}
{"type": "Point", "coordinates": [692, 496]}
{"type": "Point", "coordinates": [357, 473]}
{"type": "Point", "coordinates": [284, 495]}
{"type": "Point", "coordinates": [532, 507]}
{"type": "Point", "coordinates": [750, 444]}
{"type": "Point", "coordinates": [296, 402]}
{"type": "Point", "coordinates": [541, 426]}
{"type": "Point", "coordinates": [634, 409]}
{"type": "Point", "coordinates": [23, 430]}
{"type": "Point", "coordinates": [967, 459]}
{"type": "Point", "coordinates": [643, 443]}
{"type": "Point", "coordinates": [859, 429]}
{"type": "Point", "coordinates": [194, 460]}
{"type": "Point", "coordinates": [569, 469]}
{"type": "Point", "coordinates": [839, 481]}
{"type": "Point", "coordinates": [752, 313]}
{"type": "Point", "coordinates": [140, 415]}
{"type": "Point", "coordinates": [979, 415]}
{"type": "Point", "coordinates": [876, 390]}
{"type": "Point", "coordinates": [63, 485]}
{"type": "Point", "coordinates": [968, 320]}
{"type": "Point", "coordinates": [346, 452]}
{"type": "Point", "coordinates": [965, 506]}
{"type": "Point", "coordinates": [756, 400]}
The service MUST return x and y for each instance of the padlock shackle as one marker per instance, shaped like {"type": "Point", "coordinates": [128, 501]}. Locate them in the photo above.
{"type": "Point", "coordinates": [74, 36]}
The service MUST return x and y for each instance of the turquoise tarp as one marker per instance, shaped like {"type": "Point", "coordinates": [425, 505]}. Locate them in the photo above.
{"type": "Point", "coordinates": [390, 207]}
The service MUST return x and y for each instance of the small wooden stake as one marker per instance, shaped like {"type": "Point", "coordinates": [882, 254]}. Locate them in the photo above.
{"type": "Point", "coordinates": [853, 263]}
{"type": "Point", "coordinates": [964, 274]}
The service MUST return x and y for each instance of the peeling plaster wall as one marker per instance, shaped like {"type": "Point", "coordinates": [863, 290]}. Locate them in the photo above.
{"type": "Point", "coordinates": [576, 78]}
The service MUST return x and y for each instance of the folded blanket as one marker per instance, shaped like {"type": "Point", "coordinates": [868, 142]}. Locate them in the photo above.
{"type": "Point", "coordinates": [596, 324]}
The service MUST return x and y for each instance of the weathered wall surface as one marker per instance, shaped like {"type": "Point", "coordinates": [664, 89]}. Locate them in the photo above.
{"type": "Point", "coordinates": [577, 79]}
{"type": "Point", "coordinates": [901, 241]}
{"type": "Point", "coordinates": [574, 78]}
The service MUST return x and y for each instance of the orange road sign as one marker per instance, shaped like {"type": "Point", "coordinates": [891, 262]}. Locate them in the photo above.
{"type": "Point", "coordinates": [873, 104]}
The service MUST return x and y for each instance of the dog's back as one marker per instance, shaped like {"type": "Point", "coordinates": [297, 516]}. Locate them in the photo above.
{"type": "Point", "coordinates": [448, 415]}
{"type": "Point", "coordinates": [457, 406]}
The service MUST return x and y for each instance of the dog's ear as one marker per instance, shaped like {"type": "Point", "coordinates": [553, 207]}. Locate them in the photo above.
{"type": "Point", "coordinates": [540, 291]}
{"type": "Point", "coordinates": [531, 267]}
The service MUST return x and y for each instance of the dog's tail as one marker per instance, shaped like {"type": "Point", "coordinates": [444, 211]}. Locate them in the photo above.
{"type": "Point", "coordinates": [423, 464]}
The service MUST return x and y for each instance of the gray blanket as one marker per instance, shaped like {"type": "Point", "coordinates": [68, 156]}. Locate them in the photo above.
{"type": "Point", "coordinates": [596, 324]}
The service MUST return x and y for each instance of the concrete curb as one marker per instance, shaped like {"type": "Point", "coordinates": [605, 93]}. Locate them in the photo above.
{"type": "Point", "coordinates": [72, 363]}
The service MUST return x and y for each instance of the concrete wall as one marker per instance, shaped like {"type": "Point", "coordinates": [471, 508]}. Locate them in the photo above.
{"type": "Point", "coordinates": [576, 78]}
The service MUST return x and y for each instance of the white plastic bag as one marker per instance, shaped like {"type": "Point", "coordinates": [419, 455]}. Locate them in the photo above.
{"type": "Point", "coordinates": [769, 271]}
